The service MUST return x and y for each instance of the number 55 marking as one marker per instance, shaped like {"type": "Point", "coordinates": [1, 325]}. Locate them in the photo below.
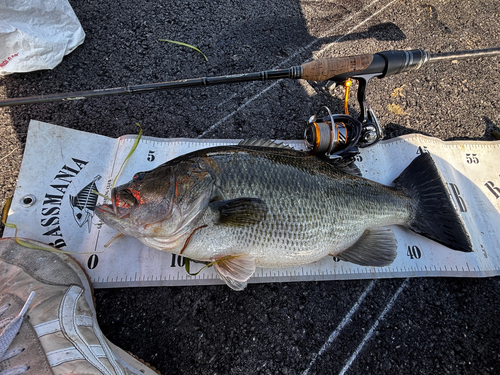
{"type": "Point", "coordinates": [471, 159]}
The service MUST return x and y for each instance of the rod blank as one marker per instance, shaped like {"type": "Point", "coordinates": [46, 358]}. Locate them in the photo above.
{"type": "Point", "coordinates": [462, 55]}
{"type": "Point", "coordinates": [381, 64]}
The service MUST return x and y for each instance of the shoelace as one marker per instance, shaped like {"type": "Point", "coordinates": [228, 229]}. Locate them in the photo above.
{"type": "Point", "coordinates": [11, 327]}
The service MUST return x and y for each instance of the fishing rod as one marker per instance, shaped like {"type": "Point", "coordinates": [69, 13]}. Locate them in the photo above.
{"type": "Point", "coordinates": [337, 69]}
{"type": "Point", "coordinates": [334, 135]}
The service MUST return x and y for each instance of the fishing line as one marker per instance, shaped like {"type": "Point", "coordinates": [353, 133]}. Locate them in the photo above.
{"type": "Point", "coordinates": [100, 194]}
{"type": "Point", "coordinates": [328, 46]}
{"type": "Point", "coordinates": [53, 249]}
{"type": "Point", "coordinates": [298, 52]}
{"type": "Point", "coordinates": [134, 146]}
{"type": "Point", "coordinates": [129, 155]}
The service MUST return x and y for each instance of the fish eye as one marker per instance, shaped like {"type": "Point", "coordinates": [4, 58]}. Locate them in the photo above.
{"type": "Point", "coordinates": [139, 176]}
{"type": "Point", "coordinates": [126, 196]}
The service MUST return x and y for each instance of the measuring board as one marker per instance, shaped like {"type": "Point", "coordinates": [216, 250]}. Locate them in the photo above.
{"type": "Point", "coordinates": [54, 203]}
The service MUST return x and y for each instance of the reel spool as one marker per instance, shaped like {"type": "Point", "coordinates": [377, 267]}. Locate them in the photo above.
{"type": "Point", "coordinates": [334, 136]}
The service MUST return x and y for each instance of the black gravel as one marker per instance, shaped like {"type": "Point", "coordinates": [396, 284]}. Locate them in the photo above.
{"type": "Point", "coordinates": [417, 326]}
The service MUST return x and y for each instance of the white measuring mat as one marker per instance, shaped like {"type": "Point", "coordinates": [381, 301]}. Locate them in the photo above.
{"type": "Point", "coordinates": [54, 203]}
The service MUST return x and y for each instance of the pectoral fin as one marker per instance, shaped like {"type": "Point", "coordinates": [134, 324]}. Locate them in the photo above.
{"type": "Point", "coordinates": [376, 247]}
{"type": "Point", "coordinates": [235, 270]}
{"type": "Point", "coordinates": [240, 211]}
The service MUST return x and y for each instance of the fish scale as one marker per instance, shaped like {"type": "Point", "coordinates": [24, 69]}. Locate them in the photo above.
{"type": "Point", "coordinates": [239, 207]}
{"type": "Point", "coordinates": [313, 197]}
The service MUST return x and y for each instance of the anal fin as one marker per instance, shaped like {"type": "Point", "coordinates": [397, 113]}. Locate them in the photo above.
{"type": "Point", "coordinates": [376, 247]}
{"type": "Point", "coordinates": [235, 270]}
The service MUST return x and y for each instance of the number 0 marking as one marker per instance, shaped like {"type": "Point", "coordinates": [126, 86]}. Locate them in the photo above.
{"type": "Point", "coordinates": [93, 261]}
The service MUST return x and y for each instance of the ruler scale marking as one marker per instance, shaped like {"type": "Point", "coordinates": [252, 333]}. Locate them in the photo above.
{"type": "Point", "coordinates": [435, 259]}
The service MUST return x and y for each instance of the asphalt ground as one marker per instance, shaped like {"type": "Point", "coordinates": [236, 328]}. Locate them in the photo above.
{"type": "Point", "coordinates": [407, 326]}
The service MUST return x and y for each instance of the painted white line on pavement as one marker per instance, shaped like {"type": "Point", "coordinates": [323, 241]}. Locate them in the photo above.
{"type": "Point", "coordinates": [342, 324]}
{"type": "Point", "coordinates": [375, 325]}
{"type": "Point", "coordinates": [328, 46]}
{"type": "Point", "coordinates": [303, 49]}
{"type": "Point", "coordinates": [298, 52]}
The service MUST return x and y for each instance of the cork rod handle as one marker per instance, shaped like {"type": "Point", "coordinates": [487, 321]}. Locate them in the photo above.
{"type": "Point", "coordinates": [323, 69]}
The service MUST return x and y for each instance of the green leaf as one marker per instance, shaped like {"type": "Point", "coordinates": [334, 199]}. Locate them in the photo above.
{"type": "Point", "coordinates": [183, 44]}
{"type": "Point", "coordinates": [134, 146]}
{"type": "Point", "coordinates": [187, 267]}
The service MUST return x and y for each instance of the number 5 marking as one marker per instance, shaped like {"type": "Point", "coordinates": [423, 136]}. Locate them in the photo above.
{"type": "Point", "coordinates": [151, 155]}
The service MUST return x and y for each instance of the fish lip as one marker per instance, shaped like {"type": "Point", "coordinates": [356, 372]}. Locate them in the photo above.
{"type": "Point", "coordinates": [113, 202]}
{"type": "Point", "coordinates": [109, 208]}
{"type": "Point", "coordinates": [113, 208]}
{"type": "Point", "coordinates": [106, 209]}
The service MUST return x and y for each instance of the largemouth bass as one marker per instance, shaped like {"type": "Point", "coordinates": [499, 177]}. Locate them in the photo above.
{"type": "Point", "coordinates": [265, 205]}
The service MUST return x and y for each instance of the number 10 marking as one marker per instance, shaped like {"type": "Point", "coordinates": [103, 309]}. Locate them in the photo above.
{"type": "Point", "coordinates": [177, 260]}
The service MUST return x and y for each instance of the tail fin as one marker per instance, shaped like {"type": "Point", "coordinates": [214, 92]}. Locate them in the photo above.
{"type": "Point", "coordinates": [435, 215]}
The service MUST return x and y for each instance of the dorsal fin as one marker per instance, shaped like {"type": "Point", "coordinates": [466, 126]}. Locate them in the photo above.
{"type": "Point", "coordinates": [259, 142]}
{"type": "Point", "coordinates": [347, 165]}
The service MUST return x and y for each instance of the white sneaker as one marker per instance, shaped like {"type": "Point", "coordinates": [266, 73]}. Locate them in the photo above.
{"type": "Point", "coordinates": [47, 318]}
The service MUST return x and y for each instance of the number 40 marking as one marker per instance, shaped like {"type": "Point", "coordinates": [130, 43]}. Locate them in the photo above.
{"type": "Point", "coordinates": [414, 252]}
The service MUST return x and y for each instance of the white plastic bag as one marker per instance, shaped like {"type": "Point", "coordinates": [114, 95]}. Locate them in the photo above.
{"type": "Point", "coordinates": [36, 34]}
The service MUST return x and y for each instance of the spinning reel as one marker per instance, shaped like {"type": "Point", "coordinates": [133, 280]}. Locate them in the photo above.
{"type": "Point", "coordinates": [340, 135]}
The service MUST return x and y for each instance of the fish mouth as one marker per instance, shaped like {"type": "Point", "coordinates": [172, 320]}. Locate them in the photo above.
{"type": "Point", "coordinates": [111, 209]}
{"type": "Point", "coordinates": [106, 209]}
